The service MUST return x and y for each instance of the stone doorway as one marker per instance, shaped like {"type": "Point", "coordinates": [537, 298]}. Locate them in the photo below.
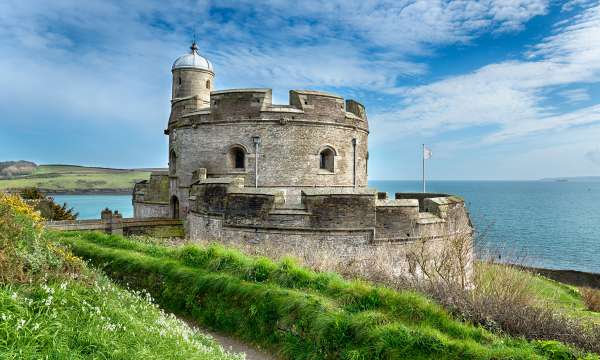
{"type": "Point", "coordinates": [174, 207]}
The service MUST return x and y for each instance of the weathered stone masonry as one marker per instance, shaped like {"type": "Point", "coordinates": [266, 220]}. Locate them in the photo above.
{"type": "Point", "coordinates": [242, 169]}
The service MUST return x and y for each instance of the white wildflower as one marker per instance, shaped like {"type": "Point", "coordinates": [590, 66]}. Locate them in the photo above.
{"type": "Point", "coordinates": [20, 324]}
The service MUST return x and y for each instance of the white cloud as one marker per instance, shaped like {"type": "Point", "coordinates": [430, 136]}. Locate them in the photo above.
{"type": "Point", "coordinates": [96, 54]}
{"type": "Point", "coordinates": [575, 95]}
{"type": "Point", "coordinates": [571, 5]}
{"type": "Point", "coordinates": [508, 97]}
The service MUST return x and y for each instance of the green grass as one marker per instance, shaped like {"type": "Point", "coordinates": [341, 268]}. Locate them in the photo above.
{"type": "Point", "coordinates": [52, 306]}
{"type": "Point", "coordinates": [561, 297]}
{"type": "Point", "coordinates": [299, 313]}
{"type": "Point", "coordinates": [78, 320]}
{"type": "Point", "coordinates": [70, 178]}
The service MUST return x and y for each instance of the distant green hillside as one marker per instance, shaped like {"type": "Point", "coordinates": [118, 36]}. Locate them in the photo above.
{"type": "Point", "coordinates": [74, 179]}
{"type": "Point", "coordinates": [16, 168]}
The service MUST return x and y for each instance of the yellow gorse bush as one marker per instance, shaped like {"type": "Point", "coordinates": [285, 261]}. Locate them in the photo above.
{"type": "Point", "coordinates": [26, 249]}
{"type": "Point", "coordinates": [19, 206]}
{"type": "Point", "coordinates": [72, 261]}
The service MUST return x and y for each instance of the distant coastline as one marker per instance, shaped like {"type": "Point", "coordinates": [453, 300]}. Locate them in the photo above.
{"type": "Point", "coordinates": [574, 179]}
{"type": "Point", "coordinates": [79, 191]}
{"type": "Point", "coordinates": [88, 191]}
{"type": "Point", "coordinates": [65, 179]}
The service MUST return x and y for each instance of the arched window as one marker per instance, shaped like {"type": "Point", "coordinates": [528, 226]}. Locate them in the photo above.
{"type": "Point", "coordinates": [237, 158]}
{"type": "Point", "coordinates": [172, 162]}
{"type": "Point", "coordinates": [326, 159]}
{"type": "Point", "coordinates": [179, 80]}
{"type": "Point", "coordinates": [208, 84]}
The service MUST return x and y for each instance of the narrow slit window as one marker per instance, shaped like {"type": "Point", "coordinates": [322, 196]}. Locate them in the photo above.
{"type": "Point", "coordinates": [173, 162]}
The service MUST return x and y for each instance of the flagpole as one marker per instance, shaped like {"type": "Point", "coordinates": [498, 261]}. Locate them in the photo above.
{"type": "Point", "coordinates": [423, 159]}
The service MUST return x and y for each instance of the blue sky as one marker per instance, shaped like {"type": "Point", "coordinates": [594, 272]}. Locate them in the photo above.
{"type": "Point", "coordinates": [498, 89]}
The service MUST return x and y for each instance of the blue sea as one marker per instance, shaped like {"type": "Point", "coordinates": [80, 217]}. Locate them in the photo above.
{"type": "Point", "coordinates": [544, 224]}
{"type": "Point", "coordinates": [90, 206]}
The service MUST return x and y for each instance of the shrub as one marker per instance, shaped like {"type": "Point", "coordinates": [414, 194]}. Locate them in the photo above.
{"type": "Point", "coordinates": [48, 209]}
{"type": "Point", "coordinates": [25, 251]}
{"type": "Point", "coordinates": [591, 298]}
{"type": "Point", "coordinates": [32, 193]}
{"type": "Point", "coordinates": [503, 299]}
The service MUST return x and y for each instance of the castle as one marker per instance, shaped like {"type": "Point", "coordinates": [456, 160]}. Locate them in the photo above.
{"type": "Point", "coordinates": [242, 169]}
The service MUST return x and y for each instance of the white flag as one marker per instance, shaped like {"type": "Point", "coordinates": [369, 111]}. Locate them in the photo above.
{"type": "Point", "coordinates": [427, 153]}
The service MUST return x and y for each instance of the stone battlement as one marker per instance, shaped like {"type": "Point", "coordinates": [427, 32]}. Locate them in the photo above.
{"type": "Point", "coordinates": [240, 105]}
{"type": "Point", "coordinates": [401, 219]}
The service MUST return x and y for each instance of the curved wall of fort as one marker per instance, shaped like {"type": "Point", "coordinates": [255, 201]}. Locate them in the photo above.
{"type": "Point", "coordinates": [292, 140]}
{"type": "Point", "coordinates": [244, 170]}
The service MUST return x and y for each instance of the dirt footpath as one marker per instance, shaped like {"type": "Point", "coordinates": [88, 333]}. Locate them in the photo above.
{"type": "Point", "coordinates": [234, 345]}
{"type": "Point", "coordinates": [231, 344]}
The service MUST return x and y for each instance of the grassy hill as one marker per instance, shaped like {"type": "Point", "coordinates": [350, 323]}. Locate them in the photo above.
{"type": "Point", "coordinates": [562, 297]}
{"type": "Point", "coordinates": [77, 179]}
{"type": "Point", "coordinates": [296, 312]}
{"type": "Point", "coordinates": [16, 168]}
{"type": "Point", "coordinates": [53, 306]}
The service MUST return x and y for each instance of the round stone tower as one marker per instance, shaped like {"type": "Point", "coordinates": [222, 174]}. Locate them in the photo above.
{"type": "Point", "coordinates": [317, 140]}
{"type": "Point", "coordinates": [193, 78]}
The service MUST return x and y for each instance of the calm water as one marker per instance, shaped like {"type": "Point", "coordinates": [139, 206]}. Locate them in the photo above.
{"type": "Point", "coordinates": [90, 206]}
{"type": "Point", "coordinates": [549, 224]}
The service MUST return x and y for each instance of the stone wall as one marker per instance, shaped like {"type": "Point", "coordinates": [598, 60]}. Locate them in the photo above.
{"type": "Point", "coordinates": [338, 208]}
{"type": "Point", "coordinates": [149, 210]}
{"type": "Point", "coordinates": [290, 240]}
{"type": "Point", "coordinates": [292, 137]}
{"type": "Point", "coordinates": [157, 227]}
{"type": "Point", "coordinates": [396, 219]}
{"type": "Point", "coordinates": [330, 209]}
{"type": "Point", "coordinates": [151, 197]}
{"type": "Point", "coordinates": [288, 155]}
{"type": "Point", "coordinates": [332, 246]}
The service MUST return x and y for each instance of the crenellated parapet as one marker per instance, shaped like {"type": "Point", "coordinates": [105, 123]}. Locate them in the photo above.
{"type": "Point", "coordinates": [243, 105]}
{"type": "Point", "coordinates": [360, 210]}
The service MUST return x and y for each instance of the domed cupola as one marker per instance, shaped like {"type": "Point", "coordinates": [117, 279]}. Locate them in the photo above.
{"type": "Point", "coordinates": [193, 76]}
{"type": "Point", "coordinates": [193, 60]}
